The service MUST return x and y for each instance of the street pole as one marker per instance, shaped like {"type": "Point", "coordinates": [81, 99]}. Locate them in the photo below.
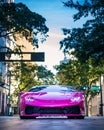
{"type": "Point", "coordinates": [9, 83]}
{"type": "Point", "coordinates": [101, 97]}
{"type": "Point", "coordinates": [9, 93]}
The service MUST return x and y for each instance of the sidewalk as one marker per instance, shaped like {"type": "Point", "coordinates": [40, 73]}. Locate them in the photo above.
{"type": "Point", "coordinates": [94, 117]}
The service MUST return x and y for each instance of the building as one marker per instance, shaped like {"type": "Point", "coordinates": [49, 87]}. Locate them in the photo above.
{"type": "Point", "coordinates": [4, 88]}
{"type": "Point", "coordinates": [4, 78]}
{"type": "Point", "coordinates": [96, 106]}
{"type": "Point", "coordinates": [7, 1]}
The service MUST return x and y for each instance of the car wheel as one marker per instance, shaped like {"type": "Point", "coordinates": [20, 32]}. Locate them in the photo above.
{"type": "Point", "coordinates": [27, 117]}
{"type": "Point", "coordinates": [81, 117]}
{"type": "Point", "coordinates": [23, 117]}
{"type": "Point", "coordinates": [70, 117]}
{"type": "Point", "coordinates": [32, 117]}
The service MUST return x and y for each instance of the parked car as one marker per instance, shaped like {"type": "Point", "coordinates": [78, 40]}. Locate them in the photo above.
{"type": "Point", "coordinates": [52, 100]}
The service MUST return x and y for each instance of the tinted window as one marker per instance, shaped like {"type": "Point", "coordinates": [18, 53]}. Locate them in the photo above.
{"type": "Point", "coordinates": [52, 89]}
{"type": "Point", "coordinates": [37, 89]}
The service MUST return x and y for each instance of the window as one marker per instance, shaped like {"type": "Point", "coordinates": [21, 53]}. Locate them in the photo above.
{"type": "Point", "coordinates": [52, 88]}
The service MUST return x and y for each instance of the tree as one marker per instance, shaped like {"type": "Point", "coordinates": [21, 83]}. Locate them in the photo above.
{"type": "Point", "coordinates": [24, 75]}
{"type": "Point", "coordinates": [17, 18]}
{"type": "Point", "coordinates": [80, 75]}
{"type": "Point", "coordinates": [45, 76]}
{"type": "Point", "coordinates": [88, 41]}
{"type": "Point", "coordinates": [28, 75]}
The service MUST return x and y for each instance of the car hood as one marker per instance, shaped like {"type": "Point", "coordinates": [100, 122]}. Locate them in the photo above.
{"type": "Point", "coordinates": [53, 95]}
{"type": "Point", "coordinates": [53, 98]}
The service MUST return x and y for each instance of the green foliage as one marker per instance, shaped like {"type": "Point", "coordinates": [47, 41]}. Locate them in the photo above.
{"type": "Point", "coordinates": [88, 7]}
{"type": "Point", "coordinates": [24, 75]}
{"type": "Point", "coordinates": [88, 41]}
{"type": "Point", "coordinates": [79, 74]}
{"type": "Point", "coordinates": [28, 75]}
{"type": "Point", "coordinates": [45, 75]}
{"type": "Point", "coordinates": [17, 18]}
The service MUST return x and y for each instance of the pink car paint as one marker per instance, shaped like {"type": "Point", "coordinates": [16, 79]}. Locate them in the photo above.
{"type": "Point", "coordinates": [34, 104]}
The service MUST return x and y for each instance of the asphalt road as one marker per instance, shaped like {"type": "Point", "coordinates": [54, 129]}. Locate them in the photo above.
{"type": "Point", "coordinates": [15, 123]}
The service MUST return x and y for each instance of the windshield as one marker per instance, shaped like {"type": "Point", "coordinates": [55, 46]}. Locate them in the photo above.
{"type": "Point", "coordinates": [52, 89]}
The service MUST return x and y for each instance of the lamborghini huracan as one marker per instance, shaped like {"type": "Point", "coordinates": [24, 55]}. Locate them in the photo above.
{"type": "Point", "coordinates": [52, 100]}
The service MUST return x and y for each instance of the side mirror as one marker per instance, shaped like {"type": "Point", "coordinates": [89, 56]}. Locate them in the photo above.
{"type": "Point", "coordinates": [21, 93]}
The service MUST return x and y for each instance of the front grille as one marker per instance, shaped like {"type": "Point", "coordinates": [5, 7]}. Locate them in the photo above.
{"type": "Point", "coordinates": [52, 110]}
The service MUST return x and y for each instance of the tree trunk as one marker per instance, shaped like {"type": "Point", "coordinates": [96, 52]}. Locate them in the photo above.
{"type": "Point", "coordinates": [86, 107]}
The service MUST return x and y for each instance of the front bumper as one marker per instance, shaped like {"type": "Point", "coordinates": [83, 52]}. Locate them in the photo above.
{"type": "Point", "coordinates": [52, 111]}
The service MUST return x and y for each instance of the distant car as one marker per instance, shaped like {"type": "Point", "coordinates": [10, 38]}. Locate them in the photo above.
{"type": "Point", "coordinates": [52, 100]}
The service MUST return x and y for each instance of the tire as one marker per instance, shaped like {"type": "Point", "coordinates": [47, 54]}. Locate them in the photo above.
{"type": "Point", "coordinates": [32, 117]}
{"type": "Point", "coordinates": [23, 117]}
{"type": "Point", "coordinates": [70, 117]}
{"type": "Point", "coordinates": [27, 117]}
{"type": "Point", "coordinates": [81, 117]}
{"type": "Point", "coordinates": [76, 117]}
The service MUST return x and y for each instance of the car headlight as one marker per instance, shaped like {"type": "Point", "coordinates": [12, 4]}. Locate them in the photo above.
{"type": "Point", "coordinates": [75, 99]}
{"type": "Point", "coordinates": [30, 99]}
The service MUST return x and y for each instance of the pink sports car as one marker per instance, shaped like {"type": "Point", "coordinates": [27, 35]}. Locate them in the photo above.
{"type": "Point", "coordinates": [52, 100]}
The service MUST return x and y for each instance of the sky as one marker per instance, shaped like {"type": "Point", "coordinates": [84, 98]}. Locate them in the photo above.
{"type": "Point", "coordinates": [57, 17]}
